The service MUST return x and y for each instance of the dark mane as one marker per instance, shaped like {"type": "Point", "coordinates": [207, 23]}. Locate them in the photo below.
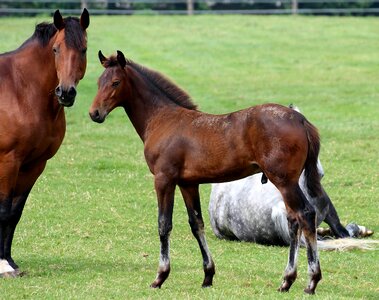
{"type": "Point", "coordinates": [75, 36]}
{"type": "Point", "coordinates": [43, 33]}
{"type": "Point", "coordinates": [160, 82]}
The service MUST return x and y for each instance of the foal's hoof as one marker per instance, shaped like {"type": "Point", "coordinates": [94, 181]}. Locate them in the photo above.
{"type": "Point", "coordinates": [309, 291]}
{"type": "Point", "coordinates": [155, 286]}
{"type": "Point", "coordinates": [206, 285]}
{"type": "Point", "coordinates": [285, 287]}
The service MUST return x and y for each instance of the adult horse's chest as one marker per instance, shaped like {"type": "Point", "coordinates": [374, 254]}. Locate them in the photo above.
{"type": "Point", "coordinates": [46, 138]}
{"type": "Point", "coordinates": [39, 137]}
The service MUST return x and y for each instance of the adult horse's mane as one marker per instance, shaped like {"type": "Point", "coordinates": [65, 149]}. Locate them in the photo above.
{"type": "Point", "coordinates": [158, 81]}
{"type": "Point", "coordinates": [75, 36]}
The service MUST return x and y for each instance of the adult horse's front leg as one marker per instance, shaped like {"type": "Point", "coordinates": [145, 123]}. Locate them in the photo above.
{"type": "Point", "coordinates": [192, 199]}
{"type": "Point", "coordinates": [165, 193]}
{"type": "Point", "coordinates": [10, 227]}
{"type": "Point", "coordinates": [7, 266]}
{"type": "Point", "coordinates": [8, 171]}
{"type": "Point", "coordinates": [25, 181]}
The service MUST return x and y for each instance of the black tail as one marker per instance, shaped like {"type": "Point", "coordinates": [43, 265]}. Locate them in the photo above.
{"type": "Point", "coordinates": [312, 175]}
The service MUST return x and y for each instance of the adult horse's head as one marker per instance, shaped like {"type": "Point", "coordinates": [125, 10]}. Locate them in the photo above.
{"type": "Point", "coordinates": [111, 86]}
{"type": "Point", "coordinates": [70, 50]}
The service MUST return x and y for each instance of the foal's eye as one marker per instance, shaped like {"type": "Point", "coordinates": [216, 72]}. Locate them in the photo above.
{"type": "Point", "coordinates": [55, 50]}
{"type": "Point", "coordinates": [115, 83]}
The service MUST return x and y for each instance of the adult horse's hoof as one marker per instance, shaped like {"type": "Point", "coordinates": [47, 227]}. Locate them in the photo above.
{"type": "Point", "coordinates": [20, 273]}
{"type": "Point", "coordinates": [12, 274]}
{"type": "Point", "coordinates": [7, 271]}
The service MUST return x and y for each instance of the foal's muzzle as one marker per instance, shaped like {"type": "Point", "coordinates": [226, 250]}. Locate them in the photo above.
{"type": "Point", "coordinates": [66, 97]}
{"type": "Point", "coordinates": [96, 116]}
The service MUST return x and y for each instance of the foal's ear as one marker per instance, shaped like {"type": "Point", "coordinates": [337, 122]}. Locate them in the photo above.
{"type": "Point", "coordinates": [58, 20]}
{"type": "Point", "coordinates": [121, 59]}
{"type": "Point", "coordinates": [84, 19]}
{"type": "Point", "coordinates": [102, 58]}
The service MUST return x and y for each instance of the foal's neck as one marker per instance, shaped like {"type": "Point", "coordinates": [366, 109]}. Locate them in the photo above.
{"type": "Point", "coordinates": [144, 104]}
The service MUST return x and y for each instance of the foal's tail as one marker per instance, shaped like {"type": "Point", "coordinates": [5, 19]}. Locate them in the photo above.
{"type": "Point", "coordinates": [311, 173]}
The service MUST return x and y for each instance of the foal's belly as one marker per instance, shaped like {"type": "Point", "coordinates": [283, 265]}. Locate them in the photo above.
{"type": "Point", "coordinates": [203, 173]}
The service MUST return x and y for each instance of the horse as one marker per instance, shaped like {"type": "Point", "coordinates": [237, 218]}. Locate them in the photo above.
{"type": "Point", "coordinates": [253, 211]}
{"type": "Point", "coordinates": [37, 81]}
{"type": "Point", "coordinates": [185, 147]}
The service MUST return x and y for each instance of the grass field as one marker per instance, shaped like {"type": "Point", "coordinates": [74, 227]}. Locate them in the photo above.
{"type": "Point", "coordinates": [89, 229]}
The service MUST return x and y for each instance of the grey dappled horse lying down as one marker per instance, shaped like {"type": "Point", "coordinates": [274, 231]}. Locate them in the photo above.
{"type": "Point", "coordinates": [249, 210]}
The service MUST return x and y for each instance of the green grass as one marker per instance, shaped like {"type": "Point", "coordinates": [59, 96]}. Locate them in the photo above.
{"type": "Point", "coordinates": [89, 228]}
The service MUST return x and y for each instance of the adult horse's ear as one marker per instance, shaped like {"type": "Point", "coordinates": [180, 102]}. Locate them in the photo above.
{"type": "Point", "coordinates": [102, 58]}
{"type": "Point", "coordinates": [58, 20]}
{"type": "Point", "coordinates": [121, 59]}
{"type": "Point", "coordinates": [84, 19]}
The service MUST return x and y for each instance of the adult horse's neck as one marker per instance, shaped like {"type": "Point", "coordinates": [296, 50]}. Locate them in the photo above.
{"type": "Point", "coordinates": [35, 66]}
{"type": "Point", "coordinates": [152, 96]}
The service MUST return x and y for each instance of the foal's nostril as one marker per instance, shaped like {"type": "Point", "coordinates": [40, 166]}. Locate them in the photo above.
{"type": "Point", "coordinates": [96, 117]}
{"type": "Point", "coordinates": [96, 114]}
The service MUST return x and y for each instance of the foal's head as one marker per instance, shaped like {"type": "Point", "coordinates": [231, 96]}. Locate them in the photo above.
{"type": "Point", "coordinates": [70, 50]}
{"type": "Point", "coordinates": [111, 86]}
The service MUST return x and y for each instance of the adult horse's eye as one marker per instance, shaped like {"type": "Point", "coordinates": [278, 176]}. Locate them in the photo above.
{"type": "Point", "coordinates": [84, 51]}
{"type": "Point", "coordinates": [115, 83]}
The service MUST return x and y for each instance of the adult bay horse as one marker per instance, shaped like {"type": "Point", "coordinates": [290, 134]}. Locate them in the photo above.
{"type": "Point", "coordinates": [185, 147]}
{"type": "Point", "coordinates": [37, 81]}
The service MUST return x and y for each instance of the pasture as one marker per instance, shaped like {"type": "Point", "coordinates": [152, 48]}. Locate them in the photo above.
{"type": "Point", "coordinates": [89, 228]}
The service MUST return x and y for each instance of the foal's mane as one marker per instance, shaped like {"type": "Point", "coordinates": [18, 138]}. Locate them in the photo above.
{"type": "Point", "coordinates": [160, 82]}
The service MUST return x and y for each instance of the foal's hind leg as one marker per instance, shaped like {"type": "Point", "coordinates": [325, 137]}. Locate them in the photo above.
{"type": "Point", "coordinates": [192, 199]}
{"type": "Point", "coordinates": [290, 272]}
{"type": "Point", "coordinates": [300, 211]}
{"type": "Point", "coordinates": [309, 231]}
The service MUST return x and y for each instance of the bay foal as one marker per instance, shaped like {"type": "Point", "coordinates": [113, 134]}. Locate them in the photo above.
{"type": "Point", "coordinates": [185, 147]}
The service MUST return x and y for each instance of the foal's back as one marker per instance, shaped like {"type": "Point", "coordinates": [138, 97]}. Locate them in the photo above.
{"type": "Point", "coordinates": [217, 148]}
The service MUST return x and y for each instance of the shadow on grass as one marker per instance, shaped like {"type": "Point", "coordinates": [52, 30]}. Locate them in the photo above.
{"type": "Point", "coordinates": [47, 266]}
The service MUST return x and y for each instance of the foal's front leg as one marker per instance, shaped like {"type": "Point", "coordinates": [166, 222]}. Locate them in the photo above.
{"type": "Point", "coordinates": [192, 199]}
{"type": "Point", "coordinates": [165, 193]}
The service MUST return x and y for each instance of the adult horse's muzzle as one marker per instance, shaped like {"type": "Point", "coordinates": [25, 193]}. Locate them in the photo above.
{"type": "Point", "coordinates": [96, 116]}
{"type": "Point", "coordinates": [66, 97]}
